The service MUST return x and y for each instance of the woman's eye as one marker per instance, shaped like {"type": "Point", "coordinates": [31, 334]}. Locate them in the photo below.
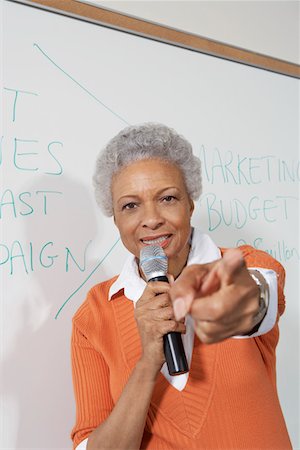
{"type": "Point", "coordinates": [168, 198]}
{"type": "Point", "coordinates": [130, 205]}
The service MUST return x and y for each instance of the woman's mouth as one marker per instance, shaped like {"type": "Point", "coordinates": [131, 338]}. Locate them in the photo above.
{"type": "Point", "coordinates": [161, 240]}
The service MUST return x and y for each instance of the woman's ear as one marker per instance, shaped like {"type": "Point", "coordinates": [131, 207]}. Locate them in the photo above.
{"type": "Point", "coordinates": [192, 206]}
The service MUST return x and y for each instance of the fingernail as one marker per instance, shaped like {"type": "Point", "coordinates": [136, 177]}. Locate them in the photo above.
{"type": "Point", "coordinates": [179, 308]}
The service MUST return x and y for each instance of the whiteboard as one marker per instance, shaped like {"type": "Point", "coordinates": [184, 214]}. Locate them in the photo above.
{"type": "Point", "coordinates": [68, 87]}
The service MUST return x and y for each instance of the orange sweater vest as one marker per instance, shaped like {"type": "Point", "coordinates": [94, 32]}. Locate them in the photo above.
{"type": "Point", "coordinates": [229, 402]}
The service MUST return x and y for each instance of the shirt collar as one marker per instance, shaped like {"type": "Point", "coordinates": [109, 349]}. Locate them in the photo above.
{"type": "Point", "coordinates": [203, 250]}
{"type": "Point", "coordinates": [129, 280]}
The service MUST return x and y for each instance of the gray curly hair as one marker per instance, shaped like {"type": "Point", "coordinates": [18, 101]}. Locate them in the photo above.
{"type": "Point", "coordinates": [145, 141]}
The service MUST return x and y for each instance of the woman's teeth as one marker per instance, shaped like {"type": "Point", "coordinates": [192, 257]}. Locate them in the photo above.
{"type": "Point", "coordinates": [155, 241]}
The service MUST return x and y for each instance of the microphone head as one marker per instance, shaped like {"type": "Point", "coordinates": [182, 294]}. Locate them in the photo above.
{"type": "Point", "coordinates": [153, 262]}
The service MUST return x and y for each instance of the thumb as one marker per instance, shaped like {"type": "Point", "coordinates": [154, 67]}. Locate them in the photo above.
{"type": "Point", "coordinates": [182, 305]}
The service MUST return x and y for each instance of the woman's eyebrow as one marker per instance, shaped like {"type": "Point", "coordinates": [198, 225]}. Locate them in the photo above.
{"type": "Point", "coordinates": [136, 196]}
{"type": "Point", "coordinates": [167, 188]}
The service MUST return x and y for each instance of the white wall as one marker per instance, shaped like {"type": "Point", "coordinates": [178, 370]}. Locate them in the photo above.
{"type": "Point", "coordinates": [268, 27]}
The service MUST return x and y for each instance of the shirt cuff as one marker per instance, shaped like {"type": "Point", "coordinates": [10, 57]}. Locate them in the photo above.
{"type": "Point", "coordinates": [82, 445]}
{"type": "Point", "coordinates": [269, 320]}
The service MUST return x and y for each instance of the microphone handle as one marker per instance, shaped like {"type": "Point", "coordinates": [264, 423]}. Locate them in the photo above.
{"type": "Point", "coordinates": [173, 346]}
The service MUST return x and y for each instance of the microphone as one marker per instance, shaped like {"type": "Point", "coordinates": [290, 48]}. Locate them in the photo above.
{"type": "Point", "coordinates": [154, 264]}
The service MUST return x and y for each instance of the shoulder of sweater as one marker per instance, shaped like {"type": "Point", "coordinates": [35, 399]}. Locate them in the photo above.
{"type": "Point", "coordinates": [258, 258]}
{"type": "Point", "coordinates": [95, 301]}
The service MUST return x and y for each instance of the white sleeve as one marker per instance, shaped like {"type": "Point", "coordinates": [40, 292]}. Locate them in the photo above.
{"type": "Point", "coordinates": [269, 320]}
{"type": "Point", "coordinates": [82, 445]}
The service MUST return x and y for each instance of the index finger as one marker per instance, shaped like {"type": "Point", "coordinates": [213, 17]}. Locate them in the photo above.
{"type": "Point", "coordinates": [152, 289]}
{"type": "Point", "coordinates": [229, 267]}
{"type": "Point", "coordinates": [185, 288]}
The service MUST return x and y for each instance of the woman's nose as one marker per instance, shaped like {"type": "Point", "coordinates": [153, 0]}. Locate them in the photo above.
{"type": "Point", "coordinates": [152, 217]}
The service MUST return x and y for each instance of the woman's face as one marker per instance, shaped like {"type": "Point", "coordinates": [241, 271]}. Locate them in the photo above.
{"type": "Point", "coordinates": [151, 206]}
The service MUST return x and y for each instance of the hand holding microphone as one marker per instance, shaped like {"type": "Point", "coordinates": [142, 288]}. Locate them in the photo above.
{"type": "Point", "coordinates": [154, 264]}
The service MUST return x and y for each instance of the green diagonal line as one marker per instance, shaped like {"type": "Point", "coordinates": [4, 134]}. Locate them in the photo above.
{"type": "Point", "coordinates": [79, 84]}
{"type": "Point", "coordinates": [87, 278]}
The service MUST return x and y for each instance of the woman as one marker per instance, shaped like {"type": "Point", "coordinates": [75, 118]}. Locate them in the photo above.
{"type": "Point", "coordinates": [147, 179]}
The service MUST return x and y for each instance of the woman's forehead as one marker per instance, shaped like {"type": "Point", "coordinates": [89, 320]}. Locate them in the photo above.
{"type": "Point", "coordinates": [149, 165]}
{"type": "Point", "coordinates": [148, 171]}
{"type": "Point", "coordinates": [147, 174]}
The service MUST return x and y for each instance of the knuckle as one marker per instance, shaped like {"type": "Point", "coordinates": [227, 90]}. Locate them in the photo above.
{"type": "Point", "coordinates": [169, 312]}
{"type": "Point", "coordinates": [205, 332]}
{"type": "Point", "coordinates": [253, 294]}
{"type": "Point", "coordinates": [164, 299]}
{"type": "Point", "coordinates": [254, 309]}
{"type": "Point", "coordinates": [252, 305]}
{"type": "Point", "coordinates": [248, 325]}
{"type": "Point", "coordinates": [168, 326]}
{"type": "Point", "coordinates": [173, 325]}
{"type": "Point", "coordinates": [217, 310]}
{"type": "Point", "coordinates": [205, 339]}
